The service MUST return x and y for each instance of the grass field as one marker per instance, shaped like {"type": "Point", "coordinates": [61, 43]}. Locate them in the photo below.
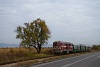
{"type": "Point", "coordinates": [11, 55]}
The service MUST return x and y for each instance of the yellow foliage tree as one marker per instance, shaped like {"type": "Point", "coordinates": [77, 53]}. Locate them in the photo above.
{"type": "Point", "coordinates": [34, 34]}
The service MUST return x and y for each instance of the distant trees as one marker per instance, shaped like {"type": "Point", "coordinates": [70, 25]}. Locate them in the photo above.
{"type": "Point", "coordinates": [34, 34]}
{"type": "Point", "coordinates": [96, 47]}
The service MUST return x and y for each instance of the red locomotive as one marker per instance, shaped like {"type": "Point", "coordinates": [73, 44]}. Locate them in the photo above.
{"type": "Point", "coordinates": [62, 47]}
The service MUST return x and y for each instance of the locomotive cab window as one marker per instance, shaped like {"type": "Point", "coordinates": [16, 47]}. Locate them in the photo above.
{"type": "Point", "coordinates": [70, 45]}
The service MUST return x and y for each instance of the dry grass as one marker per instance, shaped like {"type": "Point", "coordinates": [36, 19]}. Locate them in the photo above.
{"type": "Point", "coordinates": [10, 55]}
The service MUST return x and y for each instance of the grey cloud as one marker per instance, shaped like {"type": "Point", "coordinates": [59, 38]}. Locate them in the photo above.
{"type": "Point", "coordinates": [69, 20]}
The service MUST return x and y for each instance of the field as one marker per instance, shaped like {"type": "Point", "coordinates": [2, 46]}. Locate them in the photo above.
{"type": "Point", "coordinates": [11, 55]}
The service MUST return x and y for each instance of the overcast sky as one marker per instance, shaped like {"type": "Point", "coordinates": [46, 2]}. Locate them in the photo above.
{"type": "Point", "coordinates": [76, 21]}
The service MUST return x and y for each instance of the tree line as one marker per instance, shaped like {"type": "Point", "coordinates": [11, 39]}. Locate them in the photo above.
{"type": "Point", "coordinates": [96, 47]}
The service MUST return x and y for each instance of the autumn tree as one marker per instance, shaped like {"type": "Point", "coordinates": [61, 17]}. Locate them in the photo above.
{"type": "Point", "coordinates": [34, 34]}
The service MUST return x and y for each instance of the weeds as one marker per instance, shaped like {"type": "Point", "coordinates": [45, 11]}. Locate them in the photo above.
{"type": "Point", "coordinates": [10, 55]}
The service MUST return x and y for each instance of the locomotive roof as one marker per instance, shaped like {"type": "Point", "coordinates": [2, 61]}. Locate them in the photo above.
{"type": "Point", "coordinates": [63, 42]}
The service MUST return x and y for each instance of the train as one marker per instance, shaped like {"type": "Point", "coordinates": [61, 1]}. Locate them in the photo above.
{"type": "Point", "coordinates": [67, 47]}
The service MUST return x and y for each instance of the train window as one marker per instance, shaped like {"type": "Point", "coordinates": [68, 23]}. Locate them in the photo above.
{"type": "Point", "coordinates": [70, 45]}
